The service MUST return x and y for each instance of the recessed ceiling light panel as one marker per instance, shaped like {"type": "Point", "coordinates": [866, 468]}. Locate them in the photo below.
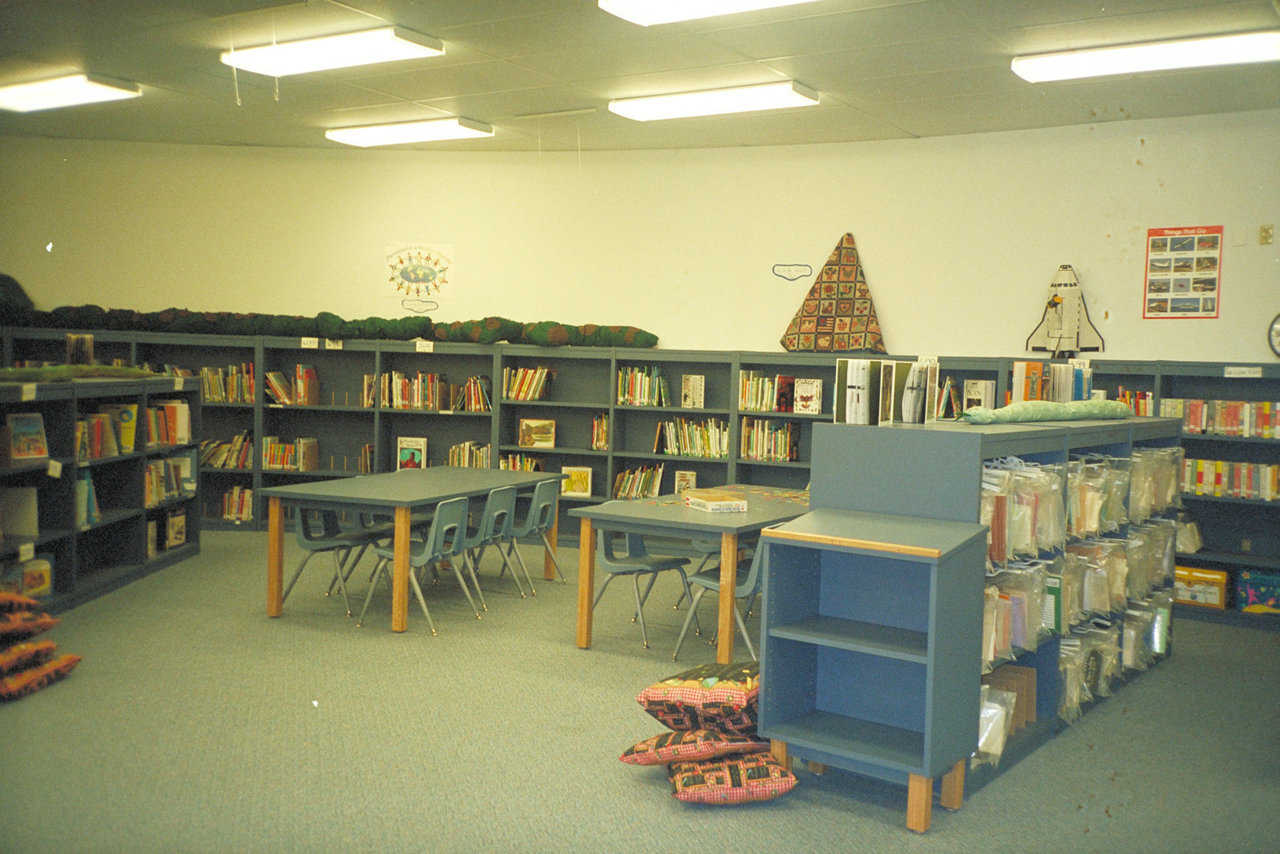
{"type": "Point", "coordinates": [649, 12]}
{"type": "Point", "coordinates": [402, 133]}
{"type": "Point", "coordinates": [712, 102]}
{"type": "Point", "coordinates": [68, 91]}
{"type": "Point", "coordinates": [367, 47]}
{"type": "Point", "coordinates": [1150, 56]}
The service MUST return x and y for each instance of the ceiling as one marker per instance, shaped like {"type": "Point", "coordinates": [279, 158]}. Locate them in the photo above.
{"type": "Point", "coordinates": [542, 71]}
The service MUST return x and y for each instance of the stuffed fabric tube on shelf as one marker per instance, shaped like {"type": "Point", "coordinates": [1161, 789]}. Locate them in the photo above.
{"type": "Point", "coordinates": [1047, 410]}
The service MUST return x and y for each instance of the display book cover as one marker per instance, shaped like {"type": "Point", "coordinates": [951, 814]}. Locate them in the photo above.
{"type": "Point", "coordinates": [24, 438]}
{"type": "Point", "coordinates": [712, 500]}
{"type": "Point", "coordinates": [411, 452]}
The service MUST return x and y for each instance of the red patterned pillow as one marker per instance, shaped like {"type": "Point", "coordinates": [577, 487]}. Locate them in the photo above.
{"type": "Point", "coordinates": [29, 681]}
{"type": "Point", "coordinates": [24, 655]}
{"type": "Point", "coordinates": [730, 780]}
{"type": "Point", "coordinates": [24, 624]}
{"type": "Point", "coordinates": [10, 602]}
{"type": "Point", "coordinates": [720, 697]}
{"type": "Point", "coordinates": [688, 746]}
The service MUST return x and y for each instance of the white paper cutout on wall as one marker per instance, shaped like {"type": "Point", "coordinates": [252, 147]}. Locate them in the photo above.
{"type": "Point", "coordinates": [417, 275]}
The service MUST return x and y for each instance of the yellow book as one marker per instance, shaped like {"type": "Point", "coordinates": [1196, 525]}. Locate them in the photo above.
{"type": "Point", "coordinates": [124, 418]}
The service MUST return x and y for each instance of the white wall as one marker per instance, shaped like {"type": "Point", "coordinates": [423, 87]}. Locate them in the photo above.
{"type": "Point", "coordinates": [959, 235]}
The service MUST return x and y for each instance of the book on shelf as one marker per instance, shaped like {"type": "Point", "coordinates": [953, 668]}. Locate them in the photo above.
{"type": "Point", "coordinates": [519, 462]}
{"type": "Point", "coordinates": [154, 544]}
{"type": "Point", "coordinates": [642, 482]}
{"type": "Point", "coordinates": [308, 453]}
{"type": "Point", "coordinates": [577, 481]}
{"type": "Point", "coordinates": [99, 438]}
{"type": "Point", "coordinates": [767, 440]}
{"type": "Point", "coordinates": [714, 500]}
{"type": "Point", "coordinates": [470, 454]}
{"type": "Point", "coordinates": [693, 389]}
{"type": "Point", "coordinates": [24, 438]}
{"type": "Point", "coordinates": [688, 438]}
{"type": "Point", "coordinates": [807, 396]}
{"type": "Point", "coordinates": [525, 383]}
{"type": "Point", "coordinates": [911, 407]}
{"type": "Point", "coordinates": [536, 433]}
{"type": "Point", "coordinates": [685, 479]}
{"type": "Point", "coordinates": [169, 423]}
{"type": "Point", "coordinates": [79, 348]}
{"type": "Point", "coordinates": [411, 452]}
{"type": "Point", "coordinates": [237, 504]}
{"type": "Point", "coordinates": [175, 529]}
{"type": "Point", "coordinates": [979, 393]}
{"type": "Point", "coordinates": [364, 465]}
{"type": "Point", "coordinates": [643, 385]}
{"type": "Point", "coordinates": [600, 432]}
{"type": "Point", "coordinates": [784, 393]}
{"type": "Point", "coordinates": [893, 386]}
{"type": "Point", "coordinates": [306, 385]}
{"type": "Point", "coordinates": [87, 510]}
{"type": "Point", "coordinates": [857, 399]}
{"type": "Point", "coordinates": [124, 421]}
{"type": "Point", "coordinates": [277, 454]}
{"type": "Point", "coordinates": [277, 388]}
{"type": "Point", "coordinates": [19, 512]}
{"type": "Point", "coordinates": [929, 395]}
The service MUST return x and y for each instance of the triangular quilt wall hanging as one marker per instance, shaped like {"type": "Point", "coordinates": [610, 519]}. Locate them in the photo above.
{"type": "Point", "coordinates": [837, 314]}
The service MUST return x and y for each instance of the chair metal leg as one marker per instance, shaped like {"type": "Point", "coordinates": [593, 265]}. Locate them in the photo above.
{"type": "Point", "coordinates": [506, 565]}
{"type": "Point", "coordinates": [475, 579]}
{"type": "Point", "coordinates": [684, 580]}
{"type": "Point", "coordinates": [693, 609]}
{"type": "Point", "coordinates": [462, 582]}
{"type": "Point", "coordinates": [417, 589]}
{"type": "Point", "coordinates": [635, 579]}
{"type": "Point", "coordinates": [603, 587]}
{"type": "Point", "coordinates": [547, 543]}
{"type": "Point", "coordinates": [296, 574]}
{"type": "Point", "coordinates": [373, 583]}
{"type": "Point", "coordinates": [512, 550]}
{"type": "Point", "coordinates": [742, 627]}
{"type": "Point", "coordinates": [338, 561]}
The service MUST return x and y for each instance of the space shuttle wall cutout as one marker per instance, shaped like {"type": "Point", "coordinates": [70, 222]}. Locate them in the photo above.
{"type": "Point", "coordinates": [837, 314]}
{"type": "Point", "coordinates": [1065, 329]}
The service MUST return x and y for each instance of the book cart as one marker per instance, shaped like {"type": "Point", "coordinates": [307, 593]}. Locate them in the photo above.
{"type": "Point", "coordinates": [872, 611]}
{"type": "Point", "coordinates": [129, 532]}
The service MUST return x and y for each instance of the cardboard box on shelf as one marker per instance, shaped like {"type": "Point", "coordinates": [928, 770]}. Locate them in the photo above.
{"type": "Point", "coordinates": [1206, 588]}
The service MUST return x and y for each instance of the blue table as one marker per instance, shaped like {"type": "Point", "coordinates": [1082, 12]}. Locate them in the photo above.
{"type": "Point", "coordinates": [399, 492]}
{"type": "Point", "coordinates": [667, 516]}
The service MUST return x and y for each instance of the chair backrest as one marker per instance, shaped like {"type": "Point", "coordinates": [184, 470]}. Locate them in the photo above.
{"type": "Point", "coordinates": [751, 584]}
{"type": "Point", "coordinates": [542, 511]}
{"type": "Point", "coordinates": [448, 530]}
{"type": "Point", "coordinates": [312, 526]}
{"type": "Point", "coordinates": [607, 555]}
{"type": "Point", "coordinates": [498, 510]}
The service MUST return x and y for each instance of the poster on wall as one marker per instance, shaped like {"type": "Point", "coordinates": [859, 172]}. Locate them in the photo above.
{"type": "Point", "coordinates": [417, 274]}
{"type": "Point", "coordinates": [1183, 276]}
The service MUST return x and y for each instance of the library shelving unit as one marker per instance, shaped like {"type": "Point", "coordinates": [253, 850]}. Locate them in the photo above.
{"type": "Point", "coordinates": [107, 549]}
{"type": "Point", "coordinates": [871, 645]}
{"type": "Point", "coordinates": [918, 476]}
{"type": "Point", "coordinates": [792, 474]}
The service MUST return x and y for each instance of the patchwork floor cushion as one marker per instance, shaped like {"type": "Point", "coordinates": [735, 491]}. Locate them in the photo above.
{"type": "Point", "coordinates": [18, 625]}
{"type": "Point", "coordinates": [25, 655]}
{"type": "Point", "coordinates": [730, 780]}
{"type": "Point", "coordinates": [29, 681]}
{"type": "Point", "coordinates": [690, 745]}
{"type": "Point", "coordinates": [719, 697]}
{"type": "Point", "coordinates": [11, 602]}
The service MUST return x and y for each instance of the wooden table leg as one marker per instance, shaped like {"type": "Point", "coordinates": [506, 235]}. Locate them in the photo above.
{"type": "Point", "coordinates": [953, 787]}
{"type": "Point", "coordinates": [919, 802]}
{"type": "Point", "coordinates": [275, 557]}
{"type": "Point", "coordinates": [400, 572]}
{"type": "Point", "coordinates": [553, 539]}
{"type": "Point", "coordinates": [725, 627]}
{"type": "Point", "coordinates": [779, 751]}
{"type": "Point", "coordinates": [586, 580]}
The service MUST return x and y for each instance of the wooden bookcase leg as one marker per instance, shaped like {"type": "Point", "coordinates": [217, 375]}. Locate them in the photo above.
{"type": "Point", "coordinates": [919, 802]}
{"type": "Point", "coordinates": [953, 787]}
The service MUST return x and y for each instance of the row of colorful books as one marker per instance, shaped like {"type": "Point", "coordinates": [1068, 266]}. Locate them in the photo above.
{"type": "Point", "coordinates": [519, 462]}
{"type": "Point", "coordinates": [684, 437]}
{"type": "Point", "coordinates": [1227, 479]}
{"type": "Point", "coordinates": [600, 432]}
{"type": "Point", "coordinates": [644, 385]}
{"type": "Point", "coordinates": [760, 392]}
{"type": "Point", "coordinates": [301, 454]}
{"type": "Point", "coordinates": [235, 453]}
{"type": "Point", "coordinates": [768, 440]}
{"type": "Point", "coordinates": [169, 478]}
{"type": "Point", "coordinates": [232, 384]}
{"type": "Point", "coordinates": [166, 532]}
{"type": "Point", "coordinates": [1060, 382]}
{"type": "Point", "coordinates": [302, 389]}
{"type": "Point", "coordinates": [525, 383]}
{"type": "Point", "coordinates": [237, 504]}
{"type": "Point", "coordinates": [471, 455]}
{"type": "Point", "coordinates": [642, 482]}
{"type": "Point", "coordinates": [433, 392]}
{"type": "Point", "coordinates": [1253, 419]}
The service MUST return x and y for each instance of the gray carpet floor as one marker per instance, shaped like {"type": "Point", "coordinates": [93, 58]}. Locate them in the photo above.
{"type": "Point", "coordinates": [196, 723]}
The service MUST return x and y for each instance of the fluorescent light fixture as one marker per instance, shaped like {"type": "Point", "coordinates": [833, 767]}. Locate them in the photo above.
{"type": "Point", "coordinates": [649, 12]}
{"type": "Point", "coordinates": [67, 91]}
{"type": "Point", "coordinates": [384, 44]}
{"type": "Point", "coordinates": [713, 102]}
{"type": "Point", "coordinates": [1151, 56]}
{"type": "Point", "coordinates": [401, 133]}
